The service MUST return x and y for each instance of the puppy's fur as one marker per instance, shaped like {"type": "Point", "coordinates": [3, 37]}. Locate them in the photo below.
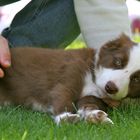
{"type": "Point", "coordinates": [75, 84]}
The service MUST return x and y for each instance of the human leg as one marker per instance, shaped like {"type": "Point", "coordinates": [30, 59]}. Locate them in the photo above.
{"type": "Point", "coordinates": [51, 23]}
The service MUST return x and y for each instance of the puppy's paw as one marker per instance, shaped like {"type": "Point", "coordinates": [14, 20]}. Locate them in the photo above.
{"type": "Point", "coordinates": [67, 117]}
{"type": "Point", "coordinates": [96, 116]}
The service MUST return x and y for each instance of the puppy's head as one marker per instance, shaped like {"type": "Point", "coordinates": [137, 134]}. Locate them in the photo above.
{"type": "Point", "coordinates": [117, 69]}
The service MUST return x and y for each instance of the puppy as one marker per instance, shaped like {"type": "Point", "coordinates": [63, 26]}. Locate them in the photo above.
{"type": "Point", "coordinates": [73, 85]}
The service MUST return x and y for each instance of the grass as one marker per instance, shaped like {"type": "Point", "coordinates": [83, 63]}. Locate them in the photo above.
{"type": "Point", "coordinates": [22, 124]}
{"type": "Point", "coordinates": [18, 123]}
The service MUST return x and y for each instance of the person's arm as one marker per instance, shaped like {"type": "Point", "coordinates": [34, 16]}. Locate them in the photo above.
{"type": "Point", "coordinates": [5, 2]}
{"type": "Point", "coordinates": [5, 58]}
{"type": "Point", "coordinates": [102, 20]}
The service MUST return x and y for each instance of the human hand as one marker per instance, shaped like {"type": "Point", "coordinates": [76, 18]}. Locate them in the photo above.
{"type": "Point", "coordinates": [5, 57]}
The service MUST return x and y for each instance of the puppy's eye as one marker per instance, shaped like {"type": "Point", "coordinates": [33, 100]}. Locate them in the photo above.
{"type": "Point", "coordinates": [117, 62]}
{"type": "Point", "coordinates": [135, 79]}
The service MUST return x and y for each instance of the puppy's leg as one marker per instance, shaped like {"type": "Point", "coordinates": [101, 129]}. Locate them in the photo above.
{"type": "Point", "coordinates": [91, 109]}
{"type": "Point", "coordinates": [62, 101]}
{"type": "Point", "coordinates": [67, 92]}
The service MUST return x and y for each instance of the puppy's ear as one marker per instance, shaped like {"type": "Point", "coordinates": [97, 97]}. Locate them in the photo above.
{"type": "Point", "coordinates": [126, 40]}
{"type": "Point", "coordinates": [122, 41]}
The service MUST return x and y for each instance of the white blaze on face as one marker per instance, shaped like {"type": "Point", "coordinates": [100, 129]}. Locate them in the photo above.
{"type": "Point", "coordinates": [121, 77]}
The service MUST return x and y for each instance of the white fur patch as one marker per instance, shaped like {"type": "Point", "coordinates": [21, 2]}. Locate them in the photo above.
{"type": "Point", "coordinates": [67, 116]}
{"type": "Point", "coordinates": [6, 103]}
{"type": "Point", "coordinates": [39, 107]}
{"type": "Point", "coordinates": [120, 77]}
{"type": "Point", "coordinates": [90, 88]}
{"type": "Point", "coordinates": [58, 118]}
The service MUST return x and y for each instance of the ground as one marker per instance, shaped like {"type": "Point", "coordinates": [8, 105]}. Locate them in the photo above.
{"type": "Point", "coordinates": [22, 124]}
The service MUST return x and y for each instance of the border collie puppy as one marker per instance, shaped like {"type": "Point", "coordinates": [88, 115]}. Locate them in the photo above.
{"type": "Point", "coordinates": [73, 85]}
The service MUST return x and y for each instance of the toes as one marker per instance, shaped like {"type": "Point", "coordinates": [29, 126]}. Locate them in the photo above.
{"type": "Point", "coordinates": [98, 116]}
{"type": "Point", "coordinates": [94, 116]}
{"type": "Point", "coordinates": [72, 118]}
{"type": "Point", "coordinates": [67, 117]}
{"type": "Point", "coordinates": [107, 120]}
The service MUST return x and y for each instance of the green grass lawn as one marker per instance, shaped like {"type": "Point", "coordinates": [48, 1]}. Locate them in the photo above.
{"type": "Point", "coordinates": [18, 123]}
{"type": "Point", "coordinates": [22, 124]}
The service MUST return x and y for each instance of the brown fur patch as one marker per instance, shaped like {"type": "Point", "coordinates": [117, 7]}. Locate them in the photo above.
{"type": "Point", "coordinates": [46, 77]}
{"type": "Point", "coordinates": [115, 54]}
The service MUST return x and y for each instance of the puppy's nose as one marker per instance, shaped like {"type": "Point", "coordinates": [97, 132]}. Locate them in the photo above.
{"type": "Point", "coordinates": [111, 88]}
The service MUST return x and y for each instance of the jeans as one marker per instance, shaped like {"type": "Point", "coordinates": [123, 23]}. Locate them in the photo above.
{"type": "Point", "coordinates": [45, 23]}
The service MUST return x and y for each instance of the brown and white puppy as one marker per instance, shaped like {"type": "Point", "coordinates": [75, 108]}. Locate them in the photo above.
{"type": "Point", "coordinates": [73, 85]}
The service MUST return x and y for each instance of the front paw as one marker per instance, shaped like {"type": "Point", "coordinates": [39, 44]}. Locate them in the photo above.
{"type": "Point", "coordinates": [97, 116]}
{"type": "Point", "coordinates": [67, 118]}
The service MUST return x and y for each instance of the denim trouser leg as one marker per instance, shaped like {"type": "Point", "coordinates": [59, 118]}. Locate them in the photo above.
{"type": "Point", "coordinates": [50, 23]}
